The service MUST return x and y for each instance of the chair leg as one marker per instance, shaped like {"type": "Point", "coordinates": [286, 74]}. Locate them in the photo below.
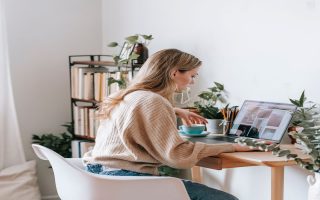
{"type": "Point", "coordinates": [196, 174]}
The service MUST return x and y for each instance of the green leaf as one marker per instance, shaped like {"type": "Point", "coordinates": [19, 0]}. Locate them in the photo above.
{"type": "Point", "coordinates": [35, 137]}
{"type": "Point", "coordinates": [219, 86]}
{"type": "Point", "coordinates": [133, 56]}
{"type": "Point", "coordinates": [302, 99]}
{"type": "Point", "coordinates": [205, 95]}
{"type": "Point", "coordinates": [214, 89]}
{"type": "Point", "coordinates": [295, 102]}
{"type": "Point", "coordinates": [299, 102]}
{"type": "Point", "coordinates": [271, 147]}
{"type": "Point", "coordinates": [113, 44]}
{"type": "Point", "coordinates": [283, 152]}
{"type": "Point", "coordinates": [147, 37]}
{"type": "Point", "coordinates": [111, 80]}
{"type": "Point", "coordinates": [290, 156]}
{"type": "Point", "coordinates": [132, 39]}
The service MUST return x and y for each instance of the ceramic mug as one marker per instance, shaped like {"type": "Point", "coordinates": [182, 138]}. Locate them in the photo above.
{"type": "Point", "coordinates": [193, 129]}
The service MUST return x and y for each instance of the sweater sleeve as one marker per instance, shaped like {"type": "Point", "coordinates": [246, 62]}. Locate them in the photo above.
{"type": "Point", "coordinates": [153, 128]}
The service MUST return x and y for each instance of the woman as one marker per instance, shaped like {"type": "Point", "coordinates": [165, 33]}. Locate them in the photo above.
{"type": "Point", "coordinates": [139, 133]}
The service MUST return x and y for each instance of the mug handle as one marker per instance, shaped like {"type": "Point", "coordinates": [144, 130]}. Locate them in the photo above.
{"type": "Point", "coordinates": [311, 180]}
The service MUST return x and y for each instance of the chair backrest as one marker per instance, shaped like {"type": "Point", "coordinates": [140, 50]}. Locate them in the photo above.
{"type": "Point", "coordinates": [73, 182]}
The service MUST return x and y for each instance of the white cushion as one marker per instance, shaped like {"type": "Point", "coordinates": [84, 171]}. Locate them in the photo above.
{"type": "Point", "coordinates": [19, 182]}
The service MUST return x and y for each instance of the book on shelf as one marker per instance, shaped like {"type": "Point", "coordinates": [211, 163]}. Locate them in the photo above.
{"type": "Point", "coordinates": [93, 83]}
{"type": "Point", "coordinates": [82, 83]}
{"type": "Point", "coordinates": [91, 124]}
{"type": "Point", "coordinates": [88, 92]}
{"type": "Point", "coordinates": [85, 121]}
{"type": "Point", "coordinates": [76, 119]}
{"type": "Point", "coordinates": [97, 86]}
{"type": "Point", "coordinates": [80, 147]}
{"type": "Point", "coordinates": [74, 82]}
{"type": "Point", "coordinates": [84, 128]}
{"type": "Point", "coordinates": [103, 86]}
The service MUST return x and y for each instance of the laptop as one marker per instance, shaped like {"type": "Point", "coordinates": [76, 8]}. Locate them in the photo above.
{"type": "Point", "coordinates": [262, 120]}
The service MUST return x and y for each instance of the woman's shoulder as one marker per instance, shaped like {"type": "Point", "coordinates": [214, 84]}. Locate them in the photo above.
{"type": "Point", "coordinates": [147, 98]}
{"type": "Point", "coordinates": [145, 95]}
{"type": "Point", "coordinates": [149, 102]}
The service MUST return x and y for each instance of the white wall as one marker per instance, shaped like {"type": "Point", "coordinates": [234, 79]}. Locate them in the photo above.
{"type": "Point", "coordinates": [260, 49]}
{"type": "Point", "coordinates": [42, 34]}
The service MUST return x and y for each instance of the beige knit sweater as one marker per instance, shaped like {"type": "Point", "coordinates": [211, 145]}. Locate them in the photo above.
{"type": "Point", "coordinates": [142, 135]}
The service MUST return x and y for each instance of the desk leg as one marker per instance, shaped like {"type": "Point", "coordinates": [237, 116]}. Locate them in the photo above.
{"type": "Point", "coordinates": [196, 174]}
{"type": "Point", "coordinates": [277, 176]}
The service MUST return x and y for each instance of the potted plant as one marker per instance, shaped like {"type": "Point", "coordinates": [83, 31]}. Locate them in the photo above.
{"type": "Point", "coordinates": [207, 107]}
{"type": "Point", "coordinates": [134, 49]}
{"type": "Point", "coordinates": [60, 143]}
{"type": "Point", "coordinates": [307, 135]}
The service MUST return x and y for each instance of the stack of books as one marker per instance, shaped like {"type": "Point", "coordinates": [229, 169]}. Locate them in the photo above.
{"type": "Point", "coordinates": [79, 147]}
{"type": "Point", "coordinates": [95, 83]}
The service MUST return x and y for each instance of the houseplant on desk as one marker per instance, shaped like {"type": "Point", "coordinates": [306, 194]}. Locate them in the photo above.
{"type": "Point", "coordinates": [208, 109]}
{"type": "Point", "coordinates": [307, 134]}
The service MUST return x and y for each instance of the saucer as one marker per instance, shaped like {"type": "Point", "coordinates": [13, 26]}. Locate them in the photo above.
{"type": "Point", "coordinates": [204, 133]}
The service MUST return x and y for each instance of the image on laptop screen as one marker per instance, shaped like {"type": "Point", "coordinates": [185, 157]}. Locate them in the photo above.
{"type": "Point", "coordinates": [263, 120]}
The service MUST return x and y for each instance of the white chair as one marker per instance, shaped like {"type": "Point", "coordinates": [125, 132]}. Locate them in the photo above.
{"type": "Point", "coordinates": [73, 182]}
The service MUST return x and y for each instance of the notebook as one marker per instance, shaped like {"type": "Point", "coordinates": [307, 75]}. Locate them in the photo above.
{"type": "Point", "coordinates": [257, 119]}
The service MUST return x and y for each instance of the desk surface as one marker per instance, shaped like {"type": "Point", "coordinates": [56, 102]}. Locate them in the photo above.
{"type": "Point", "coordinates": [255, 158]}
{"type": "Point", "coordinates": [265, 158]}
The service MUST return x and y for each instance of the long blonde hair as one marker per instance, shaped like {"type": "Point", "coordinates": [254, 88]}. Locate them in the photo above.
{"type": "Point", "coordinates": [155, 76]}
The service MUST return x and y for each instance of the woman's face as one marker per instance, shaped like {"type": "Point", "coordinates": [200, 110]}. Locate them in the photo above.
{"type": "Point", "coordinates": [184, 78]}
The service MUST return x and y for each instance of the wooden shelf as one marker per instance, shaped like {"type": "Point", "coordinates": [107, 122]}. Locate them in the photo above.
{"type": "Point", "coordinates": [85, 100]}
{"type": "Point", "coordinates": [84, 137]}
{"type": "Point", "coordinates": [98, 63]}
{"type": "Point", "coordinates": [104, 63]}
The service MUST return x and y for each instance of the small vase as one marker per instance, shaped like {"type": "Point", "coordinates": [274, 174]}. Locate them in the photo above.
{"type": "Point", "coordinates": [215, 126]}
{"type": "Point", "coordinates": [314, 187]}
{"type": "Point", "coordinates": [143, 52]}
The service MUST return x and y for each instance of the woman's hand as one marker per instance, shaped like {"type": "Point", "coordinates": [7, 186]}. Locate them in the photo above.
{"type": "Point", "coordinates": [188, 118]}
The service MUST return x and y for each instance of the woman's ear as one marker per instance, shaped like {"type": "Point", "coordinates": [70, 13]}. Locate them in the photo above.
{"type": "Point", "coordinates": [173, 73]}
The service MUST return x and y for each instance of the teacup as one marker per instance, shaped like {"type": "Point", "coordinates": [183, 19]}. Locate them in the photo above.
{"type": "Point", "coordinates": [193, 129]}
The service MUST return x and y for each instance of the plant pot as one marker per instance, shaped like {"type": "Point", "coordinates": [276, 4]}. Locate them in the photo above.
{"type": "Point", "coordinates": [143, 53]}
{"type": "Point", "coordinates": [215, 126]}
{"type": "Point", "coordinates": [314, 186]}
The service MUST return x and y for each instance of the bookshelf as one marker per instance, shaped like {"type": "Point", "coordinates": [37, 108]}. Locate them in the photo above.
{"type": "Point", "coordinates": [92, 79]}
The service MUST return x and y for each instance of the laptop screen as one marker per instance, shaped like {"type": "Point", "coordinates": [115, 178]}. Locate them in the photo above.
{"type": "Point", "coordinates": [263, 120]}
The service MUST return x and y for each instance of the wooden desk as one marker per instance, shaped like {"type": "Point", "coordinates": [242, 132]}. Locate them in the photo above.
{"type": "Point", "coordinates": [244, 159]}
